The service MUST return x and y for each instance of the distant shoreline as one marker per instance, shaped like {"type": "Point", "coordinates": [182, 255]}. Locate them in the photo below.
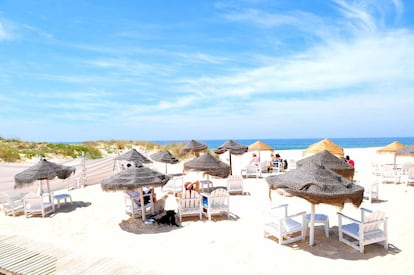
{"type": "Point", "coordinates": [295, 143]}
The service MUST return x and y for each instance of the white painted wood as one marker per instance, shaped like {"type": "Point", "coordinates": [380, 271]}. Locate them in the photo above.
{"type": "Point", "coordinates": [372, 228]}
{"type": "Point", "coordinates": [286, 228]}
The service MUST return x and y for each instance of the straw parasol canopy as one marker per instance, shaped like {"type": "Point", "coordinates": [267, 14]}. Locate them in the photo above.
{"type": "Point", "coordinates": [135, 156]}
{"type": "Point", "coordinates": [194, 146]}
{"type": "Point", "coordinates": [133, 178]}
{"type": "Point", "coordinates": [391, 148]}
{"type": "Point", "coordinates": [388, 153]}
{"type": "Point", "coordinates": [325, 144]}
{"type": "Point", "coordinates": [208, 164]}
{"type": "Point", "coordinates": [260, 146]}
{"type": "Point", "coordinates": [317, 184]}
{"type": "Point", "coordinates": [43, 170]}
{"type": "Point", "coordinates": [233, 148]}
{"type": "Point", "coordinates": [330, 161]}
{"type": "Point", "coordinates": [165, 157]}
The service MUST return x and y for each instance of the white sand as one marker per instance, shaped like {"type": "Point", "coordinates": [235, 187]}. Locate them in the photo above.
{"type": "Point", "coordinates": [235, 246]}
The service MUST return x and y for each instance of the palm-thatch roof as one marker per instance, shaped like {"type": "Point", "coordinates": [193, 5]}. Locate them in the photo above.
{"type": "Point", "coordinates": [317, 184]}
{"type": "Point", "coordinates": [330, 161]}
{"type": "Point", "coordinates": [325, 144]}
{"type": "Point", "coordinates": [43, 170]}
{"type": "Point", "coordinates": [133, 178]}
{"type": "Point", "coordinates": [193, 146]}
{"type": "Point", "coordinates": [260, 146]}
{"type": "Point", "coordinates": [391, 148]}
{"type": "Point", "coordinates": [165, 156]}
{"type": "Point", "coordinates": [231, 146]}
{"type": "Point", "coordinates": [208, 164]}
{"type": "Point", "coordinates": [135, 156]}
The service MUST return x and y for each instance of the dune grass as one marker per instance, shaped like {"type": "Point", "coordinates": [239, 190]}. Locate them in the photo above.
{"type": "Point", "coordinates": [14, 150]}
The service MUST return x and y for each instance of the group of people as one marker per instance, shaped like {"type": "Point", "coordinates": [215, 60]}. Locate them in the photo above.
{"type": "Point", "coordinates": [276, 162]}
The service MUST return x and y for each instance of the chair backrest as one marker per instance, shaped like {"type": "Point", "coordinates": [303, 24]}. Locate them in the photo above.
{"type": "Point", "coordinates": [279, 212]}
{"type": "Point", "coordinates": [369, 221]}
{"type": "Point", "coordinates": [190, 199]}
{"type": "Point", "coordinates": [133, 198]}
{"type": "Point", "coordinates": [235, 183]}
{"type": "Point", "coordinates": [219, 197]}
{"type": "Point", "coordinates": [33, 202]}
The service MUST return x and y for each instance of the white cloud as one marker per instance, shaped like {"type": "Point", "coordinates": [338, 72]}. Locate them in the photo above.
{"type": "Point", "coordinates": [5, 32]}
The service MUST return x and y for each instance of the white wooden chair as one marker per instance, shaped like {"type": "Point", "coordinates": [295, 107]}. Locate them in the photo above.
{"type": "Point", "coordinates": [216, 202]}
{"type": "Point", "coordinates": [235, 184]}
{"type": "Point", "coordinates": [37, 205]}
{"type": "Point", "coordinates": [371, 188]}
{"type": "Point", "coordinates": [13, 205]}
{"type": "Point", "coordinates": [174, 185]}
{"type": "Point", "coordinates": [133, 206]}
{"type": "Point", "coordinates": [251, 170]}
{"type": "Point", "coordinates": [189, 204]}
{"type": "Point", "coordinates": [408, 177]}
{"type": "Point", "coordinates": [286, 228]}
{"type": "Point", "coordinates": [389, 174]}
{"type": "Point", "coordinates": [372, 228]}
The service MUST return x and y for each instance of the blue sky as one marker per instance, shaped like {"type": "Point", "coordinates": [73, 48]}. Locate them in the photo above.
{"type": "Point", "coordinates": [179, 70]}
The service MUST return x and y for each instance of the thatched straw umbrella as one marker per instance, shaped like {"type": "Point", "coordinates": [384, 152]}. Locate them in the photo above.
{"type": "Point", "coordinates": [325, 144]}
{"type": "Point", "coordinates": [43, 170]}
{"type": "Point", "coordinates": [135, 178]}
{"type": "Point", "coordinates": [135, 156]}
{"type": "Point", "coordinates": [209, 165]}
{"type": "Point", "coordinates": [330, 161]}
{"type": "Point", "coordinates": [165, 157]}
{"type": "Point", "coordinates": [194, 146]}
{"type": "Point", "coordinates": [317, 184]}
{"type": "Point", "coordinates": [260, 146]}
{"type": "Point", "coordinates": [389, 151]}
{"type": "Point", "coordinates": [406, 154]}
{"type": "Point", "coordinates": [233, 148]}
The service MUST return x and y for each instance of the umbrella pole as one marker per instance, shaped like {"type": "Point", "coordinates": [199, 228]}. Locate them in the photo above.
{"type": "Point", "coordinates": [312, 226]}
{"type": "Point", "coordinates": [166, 168]}
{"type": "Point", "coordinates": [231, 167]}
{"type": "Point", "coordinates": [141, 199]}
{"type": "Point", "coordinates": [48, 190]}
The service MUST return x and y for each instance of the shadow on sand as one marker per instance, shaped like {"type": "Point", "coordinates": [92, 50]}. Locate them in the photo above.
{"type": "Point", "coordinates": [334, 249]}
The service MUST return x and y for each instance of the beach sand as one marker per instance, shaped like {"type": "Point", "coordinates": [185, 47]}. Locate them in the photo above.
{"type": "Point", "coordinates": [89, 230]}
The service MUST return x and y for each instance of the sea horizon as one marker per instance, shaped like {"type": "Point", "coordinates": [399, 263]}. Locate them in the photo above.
{"type": "Point", "coordinates": [294, 143]}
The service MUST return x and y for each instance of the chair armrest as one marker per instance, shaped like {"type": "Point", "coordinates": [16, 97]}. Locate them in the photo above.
{"type": "Point", "coordinates": [340, 216]}
{"type": "Point", "coordinates": [303, 213]}
{"type": "Point", "coordinates": [366, 210]}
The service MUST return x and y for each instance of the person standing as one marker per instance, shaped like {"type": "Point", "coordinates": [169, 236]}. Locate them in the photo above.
{"type": "Point", "coordinates": [349, 161]}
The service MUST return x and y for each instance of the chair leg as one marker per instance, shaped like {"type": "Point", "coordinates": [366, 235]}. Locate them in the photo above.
{"type": "Point", "coordinates": [327, 229]}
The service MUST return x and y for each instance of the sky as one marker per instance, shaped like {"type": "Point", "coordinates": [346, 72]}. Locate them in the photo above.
{"type": "Point", "coordinates": [73, 70]}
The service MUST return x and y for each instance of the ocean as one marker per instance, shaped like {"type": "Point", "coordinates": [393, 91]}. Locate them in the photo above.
{"type": "Point", "coordinates": [303, 143]}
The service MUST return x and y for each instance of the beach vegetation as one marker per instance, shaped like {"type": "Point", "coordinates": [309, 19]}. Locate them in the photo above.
{"type": "Point", "coordinates": [13, 150]}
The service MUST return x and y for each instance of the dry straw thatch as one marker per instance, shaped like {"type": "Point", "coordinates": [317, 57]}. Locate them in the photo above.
{"type": "Point", "coordinates": [208, 164]}
{"type": "Point", "coordinates": [331, 162]}
{"type": "Point", "coordinates": [391, 148]}
{"type": "Point", "coordinates": [43, 170]}
{"type": "Point", "coordinates": [135, 156]}
{"type": "Point", "coordinates": [325, 144]}
{"type": "Point", "coordinates": [260, 146]}
{"type": "Point", "coordinates": [317, 184]}
{"type": "Point", "coordinates": [134, 178]}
